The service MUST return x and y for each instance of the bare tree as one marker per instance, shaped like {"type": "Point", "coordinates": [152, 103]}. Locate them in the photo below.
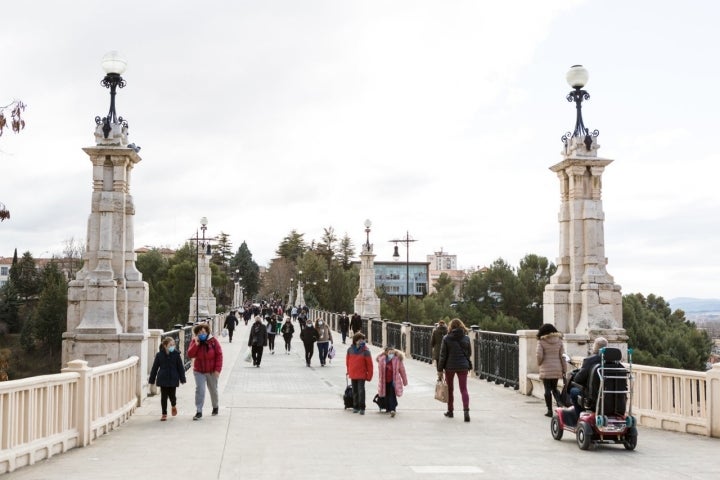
{"type": "Point", "coordinates": [72, 255]}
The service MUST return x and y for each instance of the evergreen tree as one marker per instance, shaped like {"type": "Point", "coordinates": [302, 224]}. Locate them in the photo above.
{"type": "Point", "coordinates": [292, 247]}
{"type": "Point", "coordinates": [346, 252]}
{"type": "Point", "coordinates": [49, 320]}
{"type": "Point", "coordinates": [249, 270]}
{"type": "Point", "coordinates": [10, 307]}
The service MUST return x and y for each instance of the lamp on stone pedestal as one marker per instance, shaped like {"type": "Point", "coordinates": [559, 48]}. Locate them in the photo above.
{"type": "Point", "coordinates": [114, 64]}
{"type": "Point", "coordinates": [203, 227]}
{"type": "Point", "coordinates": [577, 77]}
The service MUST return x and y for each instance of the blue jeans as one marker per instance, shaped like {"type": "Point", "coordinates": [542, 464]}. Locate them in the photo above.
{"type": "Point", "coordinates": [323, 351]}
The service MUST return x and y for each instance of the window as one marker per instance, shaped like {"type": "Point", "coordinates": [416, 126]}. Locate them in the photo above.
{"type": "Point", "coordinates": [4, 271]}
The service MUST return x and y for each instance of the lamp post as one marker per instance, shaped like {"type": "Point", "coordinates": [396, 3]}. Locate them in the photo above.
{"type": "Point", "coordinates": [396, 256]}
{"type": "Point", "coordinates": [577, 78]}
{"type": "Point", "coordinates": [290, 294]}
{"type": "Point", "coordinates": [368, 224]}
{"type": "Point", "coordinates": [114, 65]}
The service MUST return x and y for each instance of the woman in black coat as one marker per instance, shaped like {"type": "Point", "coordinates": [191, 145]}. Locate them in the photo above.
{"type": "Point", "coordinates": [454, 359]}
{"type": "Point", "coordinates": [169, 372]}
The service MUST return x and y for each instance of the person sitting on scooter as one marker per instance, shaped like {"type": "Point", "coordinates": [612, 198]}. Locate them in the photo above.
{"type": "Point", "coordinates": [580, 379]}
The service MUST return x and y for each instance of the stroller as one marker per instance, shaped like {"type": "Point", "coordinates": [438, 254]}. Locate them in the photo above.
{"type": "Point", "coordinates": [603, 401]}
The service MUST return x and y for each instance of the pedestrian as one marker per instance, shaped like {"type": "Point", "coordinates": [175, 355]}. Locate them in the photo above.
{"type": "Point", "coordinates": [391, 377]}
{"type": "Point", "coordinates": [309, 336]}
{"type": "Point", "coordinates": [454, 360]}
{"type": "Point", "coordinates": [271, 332]}
{"type": "Point", "coordinates": [247, 314]}
{"type": "Point", "coordinates": [582, 375]}
{"type": "Point", "coordinates": [344, 326]}
{"type": "Point", "coordinates": [324, 340]}
{"type": "Point", "coordinates": [359, 365]}
{"type": "Point", "coordinates": [436, 339]}
{"type": "Point", "coordinates": [552, 365]}
{"type": "Point", "coordinates": [287, 332]}
{"type": "Point", "coordinates": [230, 323]}
{"type": "Point", "coordinates": [294, 313]}
{"type": "Point", "coordinates": [169, 372]}
{"type": "Point", "coordinates": [206, 351]}
{"type": "Point", "coordinates": [257, 340]}
{"type": "Point", "coordinates": [356, 323]}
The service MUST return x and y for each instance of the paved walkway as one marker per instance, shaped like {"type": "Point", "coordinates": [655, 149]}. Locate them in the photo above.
{"type": "Point", "coordinates": [286, 421]}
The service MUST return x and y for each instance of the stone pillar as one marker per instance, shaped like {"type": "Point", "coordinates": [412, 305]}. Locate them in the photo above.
{"type": "Point", "coordinates": [367, 303]}
{"type": "Point", "coordinates": [107, 317]}
{"type": "Point", "coordinates": [202, 302]}
{"type": "Point", "coordinates": [300, 295]}
{"type": "Point", "coordinates": [582, 299]}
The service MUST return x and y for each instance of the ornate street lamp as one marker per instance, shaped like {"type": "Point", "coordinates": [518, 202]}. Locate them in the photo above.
{"type": "Point", "coordinates": [368, 224]}
{"type": "Point", "coordinates": [114, 65]}
{"type": "Point", "coordinates": [396, 256]}
{"type": "Point", "coordinates": [577, 78]}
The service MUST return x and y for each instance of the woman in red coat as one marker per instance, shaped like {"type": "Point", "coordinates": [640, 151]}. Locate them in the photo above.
{"type": "Point", "coordinates": [207, 365]}
{"type": "Point", "coordinates": [391, 377]}
{"type": "Point", "coordinates": [359, 366]}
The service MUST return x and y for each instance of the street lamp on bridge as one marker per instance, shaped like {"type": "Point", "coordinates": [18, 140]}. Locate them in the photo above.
{"type": "Point", "coordinates": [577, 77]}
{"type": "Point", "coordinates": [396, 256]}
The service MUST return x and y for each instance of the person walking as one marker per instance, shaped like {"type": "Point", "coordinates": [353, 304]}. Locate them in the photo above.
{"type": "Point", "coordinates": [359, 365]}
{"type": "Point", "coordinates": [552, 365]}
{"type": "Point", "coordinates": [257, 340]}
{"type": "Point", "coordinates": [230, 323]}
{"type": "Point", "coordinates": [344, 326]}
{"type": "Point", "coordinates": [271, 332]}
{"type": "Point", "coordinates": [309, 336]}
{"type": "Point", "coordinates": [454, 360]}
{"type": "Point", "coordinates": [324, 340]}
{"type": "Point", "coordinates": [207, 365]}
{"type": "Point", "coordinates": [287, 332]}
{"type": "Point", "coordinates": [169, 372]}
{"type": "Point", "coordinates": [391, 377]}
{"type": "Point", "coordinates": [436, 339]}
{"type": "Point", "coordinates": [355, 323]}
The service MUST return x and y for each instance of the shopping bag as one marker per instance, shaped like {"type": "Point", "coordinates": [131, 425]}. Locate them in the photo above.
{"type": "Point", "coordinates": [441, 391]}
{"type": "Point", "coordinates": [224, 332]}
{"type": "Point", "coordinates": [331, 352]}
{"type": "Point", "coordinates": [248, 357]}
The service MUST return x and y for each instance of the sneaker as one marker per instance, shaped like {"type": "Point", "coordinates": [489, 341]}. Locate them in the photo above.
{"type": "Point", "coordinates": [163, 418]}
{"type": "Point", "coordinates": [215, 411]}
{"type": "Point", "coordinates": [173, 411]}
{"type": "Point", "coordinates": [392, 414]}
{"type": "Point", "coordinates": [197, 416]}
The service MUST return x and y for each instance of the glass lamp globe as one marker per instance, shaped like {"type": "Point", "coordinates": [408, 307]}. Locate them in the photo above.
{"type": "Point", "coordinates": [114, 62]}
{"type": "Point", "coordinates": [577, 76]}
{"type": "Point", "coordinates": [368, 223]}
{"type": "Point", "coordinates": [204, 221]}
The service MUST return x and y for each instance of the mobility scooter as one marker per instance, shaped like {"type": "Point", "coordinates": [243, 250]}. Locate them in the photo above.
{"type": "Point", "coordinates": [603, 402]}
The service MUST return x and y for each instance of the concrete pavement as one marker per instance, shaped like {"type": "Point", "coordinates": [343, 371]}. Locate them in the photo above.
{"type": "Point", "coordinates": [284, 420]}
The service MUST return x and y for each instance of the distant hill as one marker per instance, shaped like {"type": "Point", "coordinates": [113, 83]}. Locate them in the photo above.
{"type": "Point", "coordinates": [695, 305]}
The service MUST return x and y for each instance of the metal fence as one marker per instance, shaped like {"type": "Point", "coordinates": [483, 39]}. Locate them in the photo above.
{"type": "Point", "coordinates": [394, 335]}
{"type": "Point", "coordinates": [420, 337]}
{"type": "Point", "coordinates": [376, 334]}
{"type": "Point", "coordinates": [497, 358]}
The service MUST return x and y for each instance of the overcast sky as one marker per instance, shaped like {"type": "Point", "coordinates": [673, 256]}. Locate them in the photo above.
{"type": "Point", "coordinates": [440, 118]}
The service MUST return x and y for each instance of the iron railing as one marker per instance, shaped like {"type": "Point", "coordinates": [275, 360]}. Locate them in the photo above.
{"type": "Point", "coordinates": [394, 335]}
{"type": "Point", "coordinates": [497, 358]}
{"type": "Point", "coordinates": [376, 334]}
{"type": "Point", "coordinates": [420, 336]}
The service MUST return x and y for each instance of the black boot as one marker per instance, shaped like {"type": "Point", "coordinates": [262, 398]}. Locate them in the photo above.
{"type": "Point", "coordinates": [467, 415]}
{"type": "Point", "coordinates": [548, 404]}
{"type": "Point", "coordinates": [449, 414]}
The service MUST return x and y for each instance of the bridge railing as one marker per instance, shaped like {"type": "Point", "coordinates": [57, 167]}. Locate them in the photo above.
{"type": "Point", "coordinates": [50, 414]}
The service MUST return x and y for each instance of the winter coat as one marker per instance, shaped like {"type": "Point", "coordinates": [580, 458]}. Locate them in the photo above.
{"type": "Point", "coordinates": [287, 330]}
{"type": "Point", "coordinates": [549, 354]}
{"type": "Point", "coordinates": [399, 377]}
{"type": "Point", "coordinates": [344, 324]}
{"type": "Point", "coordinates": [356, 323]}
{"type": "Point", "coordinates": [309, 335]}
{"type": "Point", "coordinates": [454, 351]}
{"type": "Point", "coordinates": [231, 322]}
{"type": "Point", "coordinates": [358, 363]}
{"type": "Point", "coordinates": [271, 326]}
{"type": "Point", "coordinates": [324, 334]}
{"type": "Point", "coordinates": [436, 340]}
{"type": "Point", "coordinates": [208, 355]}
{"type": "Point", "coordinates": [258, 335]}
{"type": "Point", "coordinates": [167, 369]}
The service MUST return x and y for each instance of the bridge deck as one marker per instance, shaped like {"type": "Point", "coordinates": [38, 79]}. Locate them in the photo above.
{"type": "Point", "coordinates": [284, 420]}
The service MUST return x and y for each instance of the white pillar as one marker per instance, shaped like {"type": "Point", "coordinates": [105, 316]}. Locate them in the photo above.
{"type": "Point", "coordinates": [367, 303]}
